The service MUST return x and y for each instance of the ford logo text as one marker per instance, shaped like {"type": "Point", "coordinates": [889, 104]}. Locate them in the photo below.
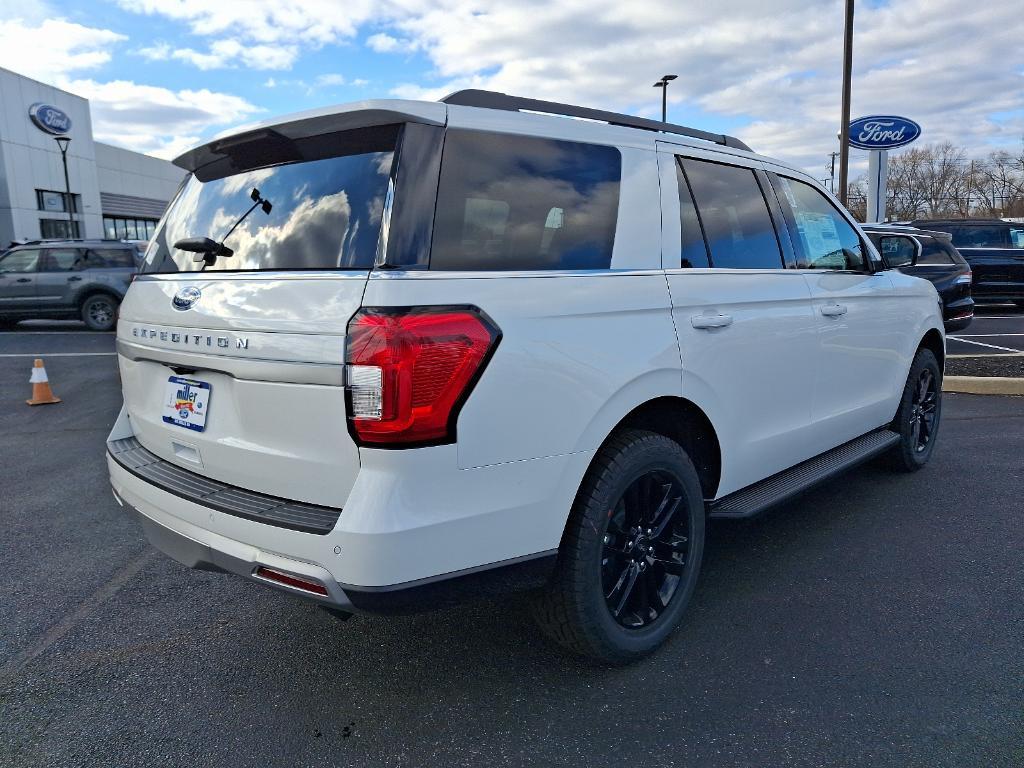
{"type": "Point", "coordinates": [883, 132]}
{"type": "Point", "coordinates": [50, 119]}
{"type": "Point", "coordinates": [186, 297]}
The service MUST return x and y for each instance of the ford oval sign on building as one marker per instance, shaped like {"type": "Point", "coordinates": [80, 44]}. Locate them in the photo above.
{"type": "Point", "coordinates": [883, 132]}
{"type": "Point", "coordinates": [50, 119]}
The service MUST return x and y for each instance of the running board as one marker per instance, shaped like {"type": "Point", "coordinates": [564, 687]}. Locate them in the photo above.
{"type": "Point", "coordinates": [758, 497]}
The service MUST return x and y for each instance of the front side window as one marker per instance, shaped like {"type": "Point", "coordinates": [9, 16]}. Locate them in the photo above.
{"type": "Point", "coordinates": [325, 213]}
{"type": "Point", "coordinates": [20, 261]}
{"type": "Point", "coordinates": [823, 238]}
{"type": "Point", "coordinates": [732, 208]}
{"type": "Point", "coordinates": [507, 202]}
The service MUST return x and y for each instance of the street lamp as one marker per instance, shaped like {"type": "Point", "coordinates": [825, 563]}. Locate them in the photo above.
{"type": "Point", "coordinates": [844, 125]}
{"type": "Point", "coordinates": [69, 203]}
{"type": "Point", "coordinates": [663, 84]}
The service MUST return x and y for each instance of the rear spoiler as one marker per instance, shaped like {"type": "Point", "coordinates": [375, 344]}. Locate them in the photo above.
{"type": "Point", "coordinates": [305, 125]}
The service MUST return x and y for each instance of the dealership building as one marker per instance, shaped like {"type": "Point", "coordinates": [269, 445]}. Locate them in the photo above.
{"type": "Point", "coordinates": [115, 193]}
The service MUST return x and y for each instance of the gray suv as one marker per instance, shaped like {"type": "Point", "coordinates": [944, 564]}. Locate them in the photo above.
{"type": "Point", "coordinates": [66, 278]}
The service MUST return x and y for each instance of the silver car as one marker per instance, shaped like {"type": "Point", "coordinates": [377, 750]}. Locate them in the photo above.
{"type": "Point", "coordinates": [83, 279]}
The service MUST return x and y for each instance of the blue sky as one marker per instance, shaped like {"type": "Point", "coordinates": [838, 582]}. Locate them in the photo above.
{"type": "Point", "coordinates": [164, 74]}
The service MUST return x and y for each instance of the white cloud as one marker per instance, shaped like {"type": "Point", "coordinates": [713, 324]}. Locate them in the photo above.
{"type": "Point", "coordinates": [49, 48]}
{"type": "Point", "coordinates": [383, 43]}
{"type": "Point", "coordinates": [330, 79]}
{"type": "Point", "coordinates": [156, 120]}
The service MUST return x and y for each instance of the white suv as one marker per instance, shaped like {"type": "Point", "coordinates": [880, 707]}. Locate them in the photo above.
{"type": "Point", "coordinates": [389, 354]}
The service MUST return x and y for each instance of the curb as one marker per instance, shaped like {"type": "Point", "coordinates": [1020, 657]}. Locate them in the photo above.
{"type": "Point", "coordinates": [983, 385]}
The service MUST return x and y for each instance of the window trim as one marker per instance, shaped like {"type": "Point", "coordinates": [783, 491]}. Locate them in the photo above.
{"type": "Point", "coordinates": [790, 216]}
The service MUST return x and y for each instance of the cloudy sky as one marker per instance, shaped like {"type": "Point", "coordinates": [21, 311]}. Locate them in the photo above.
{"type": "Point", "coordinates": [164, 74]}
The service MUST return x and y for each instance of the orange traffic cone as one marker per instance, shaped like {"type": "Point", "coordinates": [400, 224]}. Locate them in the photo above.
{"type": "Point", "coordinates": [41, 392]}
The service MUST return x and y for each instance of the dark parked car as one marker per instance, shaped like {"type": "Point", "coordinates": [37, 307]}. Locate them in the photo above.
{"type": "Point", "coordinates": [931, 255]}
{"type": "Point", "coordinates": [995, 250]}
{"type": "Point", "coordinates": [66, 278]}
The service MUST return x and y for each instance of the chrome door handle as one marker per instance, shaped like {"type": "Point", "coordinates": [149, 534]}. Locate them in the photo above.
{"type": "Point", "coordinates": [710, 321]}
{"type": "Point", "coordinates": [833, 310]}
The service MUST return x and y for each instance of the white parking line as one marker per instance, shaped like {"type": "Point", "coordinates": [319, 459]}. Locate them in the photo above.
{"type": "Point", "coordinates": [982, 344]}
{"type": "Point", "coordinates": [982, 335]}
{"type": "Point", "coordinates": [59, 354]}
{"type": "Point", "coordinates": [998, 317]}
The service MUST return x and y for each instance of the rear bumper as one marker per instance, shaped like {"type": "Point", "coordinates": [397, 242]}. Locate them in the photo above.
{"type": "Point", "coordinates": [205, 550]}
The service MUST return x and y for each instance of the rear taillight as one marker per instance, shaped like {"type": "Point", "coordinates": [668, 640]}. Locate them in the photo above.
{"type": "Point", "coordinates": [410, 369]}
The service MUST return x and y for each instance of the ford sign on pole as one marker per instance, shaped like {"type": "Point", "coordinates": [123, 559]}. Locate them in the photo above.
{"type": "Point", "coordinates": [50, 119]}
{"type": "Point", "coordinates": [883, 132]}
{"type": "Point", "coordinates": [878, 134]}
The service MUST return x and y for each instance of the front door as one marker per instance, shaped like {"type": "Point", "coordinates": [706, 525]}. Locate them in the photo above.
{"type": "Point", "coordinates": [860, 328]}
{"type": "Point", "coordinates": [18, 280]}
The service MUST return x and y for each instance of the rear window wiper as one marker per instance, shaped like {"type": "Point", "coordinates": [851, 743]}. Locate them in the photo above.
{"type": "Point", "coordinates": [208, 250]}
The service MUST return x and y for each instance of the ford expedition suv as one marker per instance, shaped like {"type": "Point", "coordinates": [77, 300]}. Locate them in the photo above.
{"type": "Point", "coordinates": [386, 355]}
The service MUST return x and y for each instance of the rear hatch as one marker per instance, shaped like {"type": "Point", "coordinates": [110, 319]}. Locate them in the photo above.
{"type": "Point", "coordinates": [232, 365]}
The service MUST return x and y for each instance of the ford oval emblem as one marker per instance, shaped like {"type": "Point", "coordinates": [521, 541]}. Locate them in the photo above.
{"type": "Point", "coordinates": [883, 132]}
{"type": "Point", "coordinates": [186, 297]}
{"type": "Point", "coordinates": [50, 119]}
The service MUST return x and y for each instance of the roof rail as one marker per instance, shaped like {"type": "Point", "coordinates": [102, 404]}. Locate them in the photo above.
{"type": "Point", "coordinates": [474, 97]}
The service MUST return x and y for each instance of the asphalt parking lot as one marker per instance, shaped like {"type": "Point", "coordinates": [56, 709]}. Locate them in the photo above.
{"type": "Point", "coordinates": [876, 621]}
{"type": "Point", "coordinates": [995, 330]}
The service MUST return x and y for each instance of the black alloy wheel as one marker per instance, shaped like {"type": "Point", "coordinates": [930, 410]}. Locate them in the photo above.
{"type": "Point", "coordinates": [645, 549]}
{"type": "Point", "coordinates": [924, 410]}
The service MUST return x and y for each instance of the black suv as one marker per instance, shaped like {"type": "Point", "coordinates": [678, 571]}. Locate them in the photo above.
{"type": "Point", "coordinates": [66, 278]}
{"type": "Point", "coordinates": [995, 250]}
{"type": "Point", "coordinates": [931, 255]}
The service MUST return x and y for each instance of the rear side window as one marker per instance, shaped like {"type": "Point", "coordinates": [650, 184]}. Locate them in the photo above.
{"type": "Point", "coordinates": [693, 249]}
{"type": "Point", "coordinates": [933, 252]}
{"type": "Point", "coordinates": [109, 257]}
{"type": "Point", "coordinates": [823, 238]}
{"type": "Point", "coordinates": [507, 202]}
{"type": "Point", "coordinates": [735, 216]}
{"type": "Point", "coordinates": [63, 259]}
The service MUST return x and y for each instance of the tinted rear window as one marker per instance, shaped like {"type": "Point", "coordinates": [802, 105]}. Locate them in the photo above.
{"type": "Point", "coordinates": [508, 202]}
{"type": "Point", "coordinates": [934, 252]}
{"type": "Point", "coordinates": [326, 214]}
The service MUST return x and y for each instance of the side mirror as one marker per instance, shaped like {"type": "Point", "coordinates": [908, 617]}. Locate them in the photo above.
{"type": "Point", "coordinates": [899, 250]}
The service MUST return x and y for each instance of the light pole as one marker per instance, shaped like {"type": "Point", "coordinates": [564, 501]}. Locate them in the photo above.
{"type": "Point", "coordinates": [663, 84]}
{"type": "Point", "coordinates": [844, 127]}
{"type": "Point", "coordinates": [69, 203]}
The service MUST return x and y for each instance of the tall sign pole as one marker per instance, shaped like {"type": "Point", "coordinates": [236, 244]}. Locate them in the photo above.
{"type": "Point", "coordinates": [844, 131]}
{"type": "Point", "coordinates": [878, 181]}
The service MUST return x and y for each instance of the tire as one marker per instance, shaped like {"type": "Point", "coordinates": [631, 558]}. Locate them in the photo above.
{"type": "Point", "coordinates": [99, 312]}
{"type": "Point", "coordinates": [602, 564]}
{"type": "Point", "coordinates": [917, 424]}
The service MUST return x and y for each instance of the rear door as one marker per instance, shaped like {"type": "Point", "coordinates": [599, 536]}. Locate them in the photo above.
{"type": "Point", "coordinates": [18, 275]}
{"type": "Point", "coordinates": [59, 276]}
{"type": "Point", "coordinates": [232, 366]}
{"type": "Point", "coordinates": [860, 330]}
{"type": "Point", "coordinates": [746, 331]}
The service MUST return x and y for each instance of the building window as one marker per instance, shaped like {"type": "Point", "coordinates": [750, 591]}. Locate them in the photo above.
{"type": "Point", "coordinates": [58, 229]}
{"type": "Point", "coordinates": [56, 202]}
{"type": "Point", "coordinates": [122, 228]}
